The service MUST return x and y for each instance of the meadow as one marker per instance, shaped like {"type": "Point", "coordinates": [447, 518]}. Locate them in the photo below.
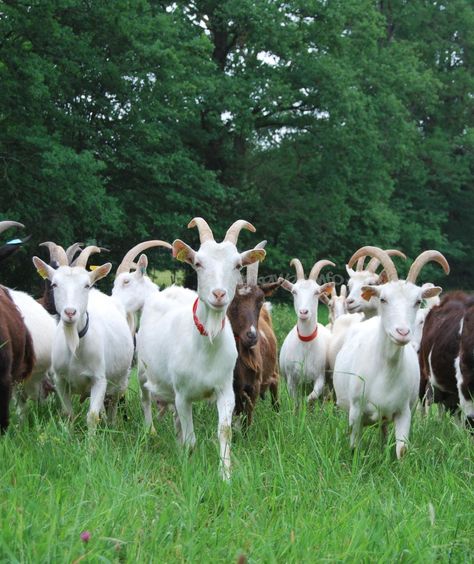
{"type": "Point", "coordinates": [297, 492]}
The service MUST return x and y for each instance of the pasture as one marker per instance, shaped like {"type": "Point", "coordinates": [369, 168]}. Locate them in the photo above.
{"type": "Point", "coordinates": [297, 492]}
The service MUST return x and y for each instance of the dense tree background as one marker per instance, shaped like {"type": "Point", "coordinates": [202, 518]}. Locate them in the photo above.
{"type": "Point", "coordinates": [328, 123]}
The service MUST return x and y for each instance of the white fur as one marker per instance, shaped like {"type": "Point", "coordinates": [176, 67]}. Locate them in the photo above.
{"type": "Point", "coordinates": [182, 366]}
{"type": "Point", "coordinates": [376, 376]}
{"type": "Point", "coordinates": [98, 363]}
{"type": "Point", "coordinates": [42, 327]}
{"type": "Point", "coordinates": [304, 362]}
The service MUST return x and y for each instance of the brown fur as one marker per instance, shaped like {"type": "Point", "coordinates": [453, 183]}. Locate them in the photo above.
{"type": "Point", "coordinates": [17, 356]}
{"type": "Point", "coordinates": [256, 368]}
{"type": "Point", "coordinates": [441, 338]}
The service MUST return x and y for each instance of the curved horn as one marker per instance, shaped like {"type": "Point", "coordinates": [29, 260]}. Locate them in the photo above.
{"type": "Point", "coordinates": [380, 254]}
{"type": "Point", "coordinates": [127, 260]}
{"type": "Point", "coordinates": [4, 225]}
{"type": "Point", "coordinates": [360, 264]}
{"type": "Point", "coordinates": [298, 267]}
{"type": "Point", "coordinates": [56, 253]}
{"type": "Point", "coordinates": [252, 269]}
{"type": "Point", "coordinates": [205, 232]}
{"type": "Point", "coordinates": [374, 263]}
{"type": "Point", "coordinates": [72, 250]}
{"type": "Point", "coordinates": [424, 258]}
{"type": "Point", "coordinates": [317, 267]}
{"type": "Point", "coordinates": [84, 256]}
{"type": "Point", "coordinates": [234, 230]}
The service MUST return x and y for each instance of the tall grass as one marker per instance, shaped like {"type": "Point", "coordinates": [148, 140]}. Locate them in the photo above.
{"type": "Point", "coordinates": [297, 493]}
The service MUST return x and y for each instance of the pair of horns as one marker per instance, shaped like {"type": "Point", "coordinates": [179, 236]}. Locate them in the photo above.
{"type": "Point", "coordinates": [384, 258]}
{"type": "Point", "coordinates": [4, 225]}
{"type": "Point", "coordinates": [127, 261]}
{"type": "Point", "coordinates": [374, 263]}
{"type": "Point", "coordinates": [232, 235]}
{"type": "Point", "coordinates": [63, 258]}
{"type": "Point", "coordinates": [317, 267]}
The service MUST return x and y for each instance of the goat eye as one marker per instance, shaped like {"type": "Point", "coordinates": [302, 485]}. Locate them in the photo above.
{"type": "Point", "coordinates": [54, 285]}
{"type": "Point", "coordinates": [87, 286]}
{"type": "Point", "coordinates": [383, 300]}
{"type": "Point", "coordinates": [197, 265]}
{"type": "Point", "coordinates": [418, 303]}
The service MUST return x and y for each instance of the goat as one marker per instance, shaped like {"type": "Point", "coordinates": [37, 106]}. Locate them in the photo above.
{"type": "Point", "coordinates": [336, 305]}
{"type": "Point", "coordinates": [376, 376]}
{"type": "Point", "coordinates": [17, 355]}
{"type": "Point", "coordinates": [303, 353]}
{"type": "Point", "coordinates": [192, 355]}
{"type": "Point", "coordinates": [256, 369]}
{"type": "Point", "coordinates": [93, 347]}
{"type": "Point", "coordinates": [358, 309]}
{"type": "Point", "coordinates": [446, 353]}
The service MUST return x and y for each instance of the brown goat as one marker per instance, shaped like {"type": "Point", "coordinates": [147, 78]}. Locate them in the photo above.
{"type": "Point", "coordinates": [256, 369]}
{"type": "Point", "coordinates": [446, 353]}
{"type": "Point", "coordinates": [17, 356]}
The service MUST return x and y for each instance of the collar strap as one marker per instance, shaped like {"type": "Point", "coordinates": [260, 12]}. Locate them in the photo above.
{"type": "Point", "coordinates": [199, 325]}
{"type": "Point", "coordinates": [84, 330]}
{"type": "Point", "coordinates": [307, 338]}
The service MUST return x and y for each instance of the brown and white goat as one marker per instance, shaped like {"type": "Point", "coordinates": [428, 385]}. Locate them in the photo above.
{"type": "Point", "coordinates": [17, 355]}
{"type": "Point", "coordinates": [447, 353]}
{"type": "Point", "coordinates": [256, 370]}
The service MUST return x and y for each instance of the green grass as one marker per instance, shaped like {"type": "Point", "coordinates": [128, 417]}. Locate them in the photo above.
{"type": "Point", "coordinates": [297, 493]}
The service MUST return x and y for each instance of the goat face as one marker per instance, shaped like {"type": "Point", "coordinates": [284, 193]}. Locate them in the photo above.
{"type": "Point", "coordinates": [71, 287]}
{"type": "Point", "coordinates": [217, 266]}
{"type": "Point", "coordinates": [306, 295]}
{"type": "Point", "coordinates": [399, 302]}
{"type": "Point", "coordinates": [355, 303]}
{"type": "Point", "coordinates": [244, 311]}
{"type": "Point", "coordinates": [130, 288]}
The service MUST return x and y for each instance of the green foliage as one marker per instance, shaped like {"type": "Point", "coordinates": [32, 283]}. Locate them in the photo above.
{"type": "Point", "coordinates": [328, 124]}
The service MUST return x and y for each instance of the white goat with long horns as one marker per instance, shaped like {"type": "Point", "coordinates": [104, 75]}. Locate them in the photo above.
{"type": "Point", "coordinates": [192, 355]}
{"type": "Point", "coordinates": [376, 376]}
{"type": "Point", "coordinates": [93, 347]}
{"type": "Point", "coordinates": [303, 353]}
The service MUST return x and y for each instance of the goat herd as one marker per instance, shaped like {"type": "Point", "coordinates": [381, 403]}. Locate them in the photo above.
{"type": "Point", "coordinates": [389, 342]}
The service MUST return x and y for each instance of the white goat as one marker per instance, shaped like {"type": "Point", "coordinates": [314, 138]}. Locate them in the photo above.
{"type": "Point", "coordinates": [303, 353]}
{"type": "Point", "coordinates": [376, 376]}
{"type": "Point", "coordinates": [336, 305]}
{"type": "Point", "coordinates": [93, 348]}
{"type": "Point", "coordinates": [358, 309]}
{"type": "Point", "coordinates": [192, 355]}
{"type": "Point", "coordinates": [421, 317]}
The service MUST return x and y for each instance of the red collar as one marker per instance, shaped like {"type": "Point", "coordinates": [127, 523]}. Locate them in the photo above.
{"type": "Point", "coordinates": [307, 338]}
{"type": "Point", "coordinates": [199, 325]}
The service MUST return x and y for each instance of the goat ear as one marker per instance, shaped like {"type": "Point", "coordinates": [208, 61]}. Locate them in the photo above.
{"type": "Point", "coordinates": [99, 272]}
{"type": "Point", "coordinates": [44, 270]}
{"type": "Point", "coordinates": [285, 284]}
{"type": "Point", "coordinates": [327, 289]}
{"type": "Point", "coordinates": [430, 291]}
{"type": "Point", "coordinates": [254, 255]}
{"type": "Point", "coordinates": [325, 299]}
{"type": "Point", "coordinates": [183, 252]}
{"type": "Point", "coordinates": [350, 271]}
{"type": "Point", "coordinates": [368, 292]}
{"type": "Point", "coordinates": [383, 278]}
{"type": "Point", "coordinates": [270, 288]}
{"type": "Point", "coordinates": [142, 265]}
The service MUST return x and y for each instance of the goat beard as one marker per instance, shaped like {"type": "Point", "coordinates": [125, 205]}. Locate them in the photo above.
{"type": "Point", "coordinates": [72, 337]}
{"type": "Point", "coordinates": [213, 325]}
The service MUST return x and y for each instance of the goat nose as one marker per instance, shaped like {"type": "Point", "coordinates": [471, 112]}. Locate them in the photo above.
{"type": "Point", "coordinates": [251, 335]}
{"type": "Point", "coordinates": [304, 311]}
{"type": "Point", "coordinates": [219, 294]}
{"type": "Point", "coordinates": [403, 331]}
{"type": "Point", "coordinates": [349, 301]}
{"type": "Point", "coordinates": [70, 311]}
